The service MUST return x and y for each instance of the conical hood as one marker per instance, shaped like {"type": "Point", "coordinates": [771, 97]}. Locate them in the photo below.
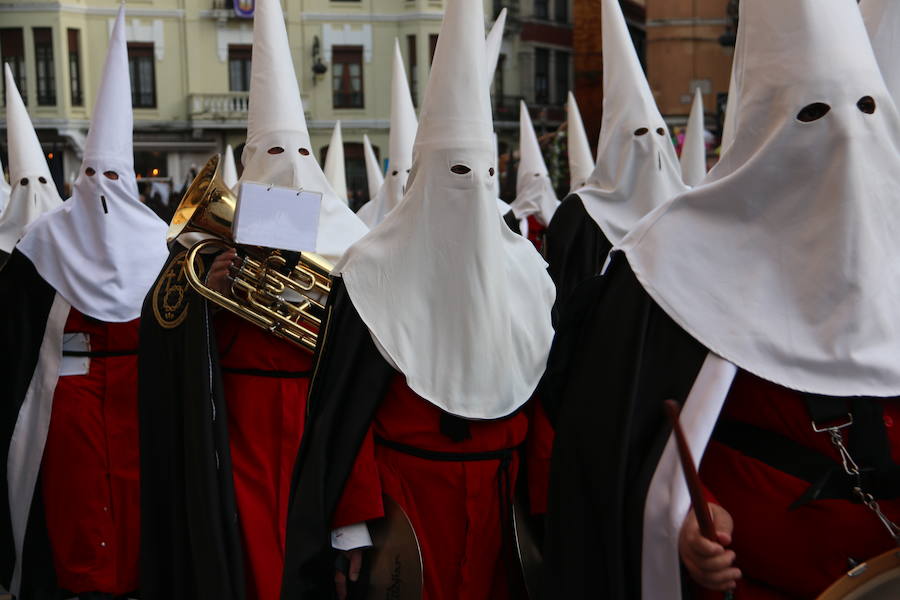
{"type": "Point", "coordinates": [278, 151]}
{"type": "Point", "coordinates": [795, 221]}
{"type": "Point", "coordinates": [109, 139]}
{"type": "Point", "coordinates": [637, 168]}
{"type": "Point", "coordinates": [402, 137]}
{"type": "Point", "coordinates": [403, 118]}
{"type": "Point", "coordinates": [275, 103]}
{"type": "Point", "coordinates": [534, 190]}
{"type": "Point", "coordinates": [581, 161]}
{"type": "Point", "coordinates": [882, 18]}
{"type": "Point", "coordinates": [33, 191]}
{"type": "Point", "coordinates": [335, 171]}
{"type": "Point", "coordinates": [374, 176]}
{"type": "Point", "coordinates": [103, 248]}
{"type": "Point", "coordinates": [444, 249]}
{"type": "Point", "coordinates": [26, 158]}
{"type": "Point", "coordinates": [229, 170]}
{"type": "Point", "coordinates": [458, 78]}
{"type": "Point", "coordinates": [693, 153]}
{"type": "Point", "coordinates": [492, 45]}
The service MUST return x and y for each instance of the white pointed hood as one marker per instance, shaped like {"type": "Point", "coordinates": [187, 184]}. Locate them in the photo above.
{"type": "Point", "coordinates": [882, 18]}
{"type": "Point", "coordinates": [581, 161]}
{"type": "Point", "coordinates": [33, 192]}
{"type": "Point", "coordinates": [374, 175]}
{"type": "Point", "coordinates": [637, 168]}
{"type": "Point", "coordinates": [492, 45]}
{"type": "Point", "coordinates": [415, 278]}
{"type": "Point", "coordinates": [534, 190]}
{"type": "Point", "coordinates": [693, 152]}
{"type": "Point", "coordinates": [278, 149]}
{"type": "Point", "coordinates": [335, 171]}
{"type": "Point", "coordinates": [402, 137]}
{"type": "Point", "coordinates": [778, 262]}
{"type": "Point", "coordinates": [229, 170]}
{"type": "Point", "coordinates": [103, 248]}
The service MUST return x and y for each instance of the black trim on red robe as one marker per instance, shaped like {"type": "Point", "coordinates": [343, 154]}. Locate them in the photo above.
{"type": "Point", "coordinates": [349, 382]}
{"type": "Point", "coordinates": [616, 359]}
{"type": "Point", "coordinates": [190, 537]}
{"type": "Point", "coordinates": [574, 247]}
{"type": "Point", "coordinates": [25, 303]}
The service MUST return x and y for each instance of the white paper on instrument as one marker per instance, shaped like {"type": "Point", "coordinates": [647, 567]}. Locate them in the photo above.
{"type": "Point", "coordinates": [277, 217]}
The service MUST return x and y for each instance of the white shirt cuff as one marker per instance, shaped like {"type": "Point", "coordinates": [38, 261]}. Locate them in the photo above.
{"type": "Point", "coordinates": [351, 537]}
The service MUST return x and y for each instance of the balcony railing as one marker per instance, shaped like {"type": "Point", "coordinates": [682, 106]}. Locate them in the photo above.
{"type": "Point", "coordinates": [227, 106]}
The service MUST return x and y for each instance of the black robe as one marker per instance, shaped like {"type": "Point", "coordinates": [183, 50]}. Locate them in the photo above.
{"type": "Point", "coordinates": [350, 380]}
{"type": "Point", "coordinates": [509, 217]}
{"type": "Point", "coordinates": [616, 359]}
{"type": "Point", "coordinates": [25, 301]}
{"type": "Point", "coordinates": [575, 248]}
{"type": "Point", "coordinates": [190, 537]}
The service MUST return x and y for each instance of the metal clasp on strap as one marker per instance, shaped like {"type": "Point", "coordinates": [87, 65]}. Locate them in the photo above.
{"type": "Point", "coordinates": [822, 429]}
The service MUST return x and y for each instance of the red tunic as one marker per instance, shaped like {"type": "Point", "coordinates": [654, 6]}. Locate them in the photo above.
{"type": "Point", "coordinates": [90, 470]}
{"type": "Point", "coordinates": [536, 232]}
{"type": "Point", "coordinates": [454, 507]}
{"type": "Point", "coordinates": [789, 553]}
{"type": "Point", "coordinates": [266, 381]}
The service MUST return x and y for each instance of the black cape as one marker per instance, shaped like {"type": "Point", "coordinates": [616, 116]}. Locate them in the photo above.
{"type": "Point", "coordinates": [350, 380]}
{"type": "Point", "coordinates": [575, 248]}
{"type": "Point", "coordinates": [190, 537]}
{"type": "Point", "coordinates": [509, 217]}
{"type": "Point", "coordinates": [25, 303]}
{"type": "Point", "coordinates": [616, 359]}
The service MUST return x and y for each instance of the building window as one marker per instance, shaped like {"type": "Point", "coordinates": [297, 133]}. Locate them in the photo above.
{"type": "Point", "coordinates": [142, 70]}
{"type": "Point", "coordinates": [43, 62]}
{"type": "Point", "coordinates": [239, 67]}
{"type": "Point", "coordinates": [561, 76]}
{"type": "Point", "coordinates": [541, 76]}
{"type": "Point", "coordinates": [413, 68]}
{"type": "Point", "coordinates": [498, 80]}
{"type": "Point", "coordinates": [347, 76]}
{"type": "Point", "coordinates": [562, 11]}
{"type": "Point", "coordinates": [542, 9]}
{"type": "Point", "coordinates": [432, 46]}
{"type": "Point", "coordinates": [12, 49]}
{"type": "Point", "coordinates": [75, 68]}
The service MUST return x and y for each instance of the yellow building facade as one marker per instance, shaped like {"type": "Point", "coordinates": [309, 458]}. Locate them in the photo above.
{"type": "Point", "coordinates": [190, 66]}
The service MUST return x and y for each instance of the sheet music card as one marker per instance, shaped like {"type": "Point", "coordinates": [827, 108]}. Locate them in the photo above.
{"type": "Point", "coordinates": [277, 217]}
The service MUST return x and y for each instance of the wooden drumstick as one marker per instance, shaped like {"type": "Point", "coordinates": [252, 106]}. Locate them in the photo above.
{"type": "Point", "coordinates": [695, 488]}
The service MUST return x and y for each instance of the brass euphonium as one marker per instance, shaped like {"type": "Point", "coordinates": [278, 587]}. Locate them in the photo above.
{"type": "Point", "coordinates": [283, 292]}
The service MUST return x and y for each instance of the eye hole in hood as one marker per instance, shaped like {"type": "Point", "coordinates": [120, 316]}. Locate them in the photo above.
{"type": "Point", "coordinates": [813, 112]}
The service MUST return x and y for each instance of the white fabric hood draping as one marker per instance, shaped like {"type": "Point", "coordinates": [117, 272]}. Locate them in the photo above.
{"type": "Point", "coordinates": [33, 192]}
{"type": "Point", "coordinates": [785, 261]}
{"type": "Point", "coordinates": [581, 162]}
{"type": "Point", "coordinates": [374, 175]}
{"type": "Point", "coordinates": [4, 188]}
{"type": "Point", "coordinates": [637, 168]}
{"type": "Point", "coordinates": [693, 152]}
{"type": "Point", "coordinates": [335, 170]}
{"type": "Point", "coordinates": [882, 19]}
{"type": "Point", "coordinates": [402, 137]}
{"type": "Point", "coordinates": [534, 190]}
{"type": "Point", "coordinates": [278, 149]}
{"type": "Point", "coordinates": [103, 248]}
{"type": "Point", "coordinates": [457, 301]}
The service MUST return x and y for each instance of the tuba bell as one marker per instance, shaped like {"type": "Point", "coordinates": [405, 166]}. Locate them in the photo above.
{"type": "Point", "coordinates": [280, 291]}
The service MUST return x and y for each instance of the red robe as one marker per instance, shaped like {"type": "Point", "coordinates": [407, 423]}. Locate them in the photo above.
{"type": "Point", "coordinates": [454, 507]}
{"type": "Point", "coordinates": [90, 472]}
{"type": "Point", "coordinates": [789, 553]}
{"type": "Point", "coordinates": [266, 381]}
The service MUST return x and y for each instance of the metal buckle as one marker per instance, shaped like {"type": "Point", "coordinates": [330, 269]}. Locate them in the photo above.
{"type": "Point", "coordinates": [818, 429]}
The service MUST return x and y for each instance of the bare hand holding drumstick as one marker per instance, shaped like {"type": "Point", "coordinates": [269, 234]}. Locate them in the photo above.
{"type": "Point", "coordinates": [706, 531]}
